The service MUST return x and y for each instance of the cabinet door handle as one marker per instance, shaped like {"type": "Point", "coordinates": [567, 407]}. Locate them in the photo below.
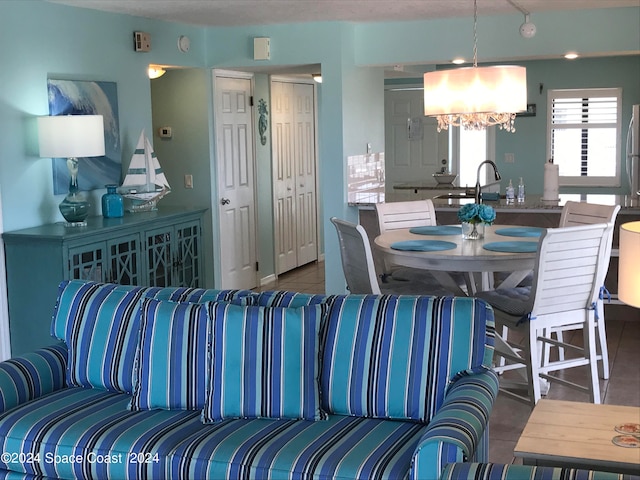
{"type": "Point", "coordinates": [225, 201]}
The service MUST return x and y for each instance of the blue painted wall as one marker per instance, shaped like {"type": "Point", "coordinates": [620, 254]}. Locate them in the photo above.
{"type": "Point", "coordinates": [74, 43]}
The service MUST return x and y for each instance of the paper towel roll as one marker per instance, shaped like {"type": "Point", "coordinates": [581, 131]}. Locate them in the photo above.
{"type": "Point", "coordinates": [551, 181]}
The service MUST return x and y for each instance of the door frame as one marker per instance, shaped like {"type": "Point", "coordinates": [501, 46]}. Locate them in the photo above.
{"type": "Point", "coordinates": [319, 231]}
{"type": "Point", "coordinates": [5, 339]}
{"type": "Point", "coordinates": [215, 191]}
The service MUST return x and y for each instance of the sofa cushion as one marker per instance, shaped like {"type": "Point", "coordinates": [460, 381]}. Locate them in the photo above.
{"type": "Point", "coordinates": [391, 356]}
{"type": "Point", "coordinates": [265, 363]}
{"type": "Point", "coordinates": [171, 361]}
{"type": "Point", "coordinates": [84, 424]}
{"type": "Point", "coordinates": [98, 322]}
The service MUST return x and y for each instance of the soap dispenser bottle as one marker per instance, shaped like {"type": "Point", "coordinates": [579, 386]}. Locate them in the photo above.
{"type": "Point", "coordinates": [521, 191]}
{"type": "Point", "coordinates": [510, 193]}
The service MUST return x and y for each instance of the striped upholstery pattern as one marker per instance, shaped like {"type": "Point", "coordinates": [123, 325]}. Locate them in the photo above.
{"type": "Point", "coordinates": [32, 375]}
{"type": "Point", "coordinates": [200, 295]}
{"type": "Point", "coordinates": [265, 363]}
{"type": "Point", "coordinates": [171, 362]}
{"type": "Point", "coordinates": [284, 298]}
{"type": "Point", "coordinates": [491, 471]}
{"type": "Point", "coordinates": [99, 324]}
{"type": "Point", "coordinates": [77, 421]}
{"type": "Point", "coordinates": [388, 356]}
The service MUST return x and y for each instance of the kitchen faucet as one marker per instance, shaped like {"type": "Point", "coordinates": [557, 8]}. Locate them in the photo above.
{"type": "Point", "coordinates": [497, 175]}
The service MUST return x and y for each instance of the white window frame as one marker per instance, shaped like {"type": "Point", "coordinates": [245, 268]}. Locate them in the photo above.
{"type": "Point", "coordinates": [591, 181]}
{"type": "Point", "coordinates": [457, 162]}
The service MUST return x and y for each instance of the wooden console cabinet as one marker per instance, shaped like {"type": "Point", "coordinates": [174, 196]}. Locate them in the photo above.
{"type": "Point", "coordinates": [158, 248]}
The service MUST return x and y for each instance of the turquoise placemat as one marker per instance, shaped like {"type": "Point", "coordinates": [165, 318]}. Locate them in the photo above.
{"type": "Point", "coordinates": [511, 247]}
{"type": "Point", "coordinates": [520, 231]}
{"type": "Point", "coordinates": [437, 230]}
{"type": "Point", "coordinates": [423, 245]}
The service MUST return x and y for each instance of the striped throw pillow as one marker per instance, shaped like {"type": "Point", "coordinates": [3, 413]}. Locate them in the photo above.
{"type": "Point", "coordinates": [284, 298]}
{"type": "Point", "coordinates": [99, 324]}
{"type": "Point", "coordinates": [265, 363]}
{"type": "Point", "coordinates": [201, 295]}
{"type": "Point", "coordinates": [388, 356]}
{"type": "Point", "coordinates": [170, 369]}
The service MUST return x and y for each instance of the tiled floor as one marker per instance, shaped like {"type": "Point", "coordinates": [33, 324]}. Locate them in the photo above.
{"type": "Point", "coordinates": [509, 416]}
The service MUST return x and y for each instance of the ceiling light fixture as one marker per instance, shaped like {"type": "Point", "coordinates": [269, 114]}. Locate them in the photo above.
{"type": "Point", "coordinates": [571, 56]}
{"type": "Point", "coordinates": [317, 77]}
{"type": "Point", "coordinates": [458, 61]}
{"type": "Point", "coordinates": [476, 97]}
{"type": "Point", "coordinates": [156, 71]}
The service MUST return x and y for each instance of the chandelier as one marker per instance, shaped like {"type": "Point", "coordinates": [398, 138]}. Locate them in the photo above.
{"type": "Point", "coordinates": [476, 97]}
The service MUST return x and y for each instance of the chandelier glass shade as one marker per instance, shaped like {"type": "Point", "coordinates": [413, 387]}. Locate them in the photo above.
{"type": "Point", "coordinates": [476, 97]}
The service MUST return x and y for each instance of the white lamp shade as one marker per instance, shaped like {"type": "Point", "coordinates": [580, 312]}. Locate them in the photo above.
{"type": "Point", "coordinates": [499, 89]}
{"type": "Point", "coordinates": [629, 264]}
{"type": "Point", "coordinates": [64, 136]}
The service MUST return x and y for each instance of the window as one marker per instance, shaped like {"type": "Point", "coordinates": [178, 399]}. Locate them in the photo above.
{"type": "Point", "coordinates": [584, 135]}
{"type": "Point", "coordinates": [468, 149]}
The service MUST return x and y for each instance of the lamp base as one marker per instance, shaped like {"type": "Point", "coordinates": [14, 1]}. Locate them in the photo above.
{"type": "Point", "coordinates": [75, 209]}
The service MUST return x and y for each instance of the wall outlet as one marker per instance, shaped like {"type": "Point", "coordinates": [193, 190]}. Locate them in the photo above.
{"type": "Point", "coordinates": [509, 158]}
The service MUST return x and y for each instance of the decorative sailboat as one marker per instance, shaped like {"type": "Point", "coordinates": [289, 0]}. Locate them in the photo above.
{"type": "Point", "coordinates": [145, 183]}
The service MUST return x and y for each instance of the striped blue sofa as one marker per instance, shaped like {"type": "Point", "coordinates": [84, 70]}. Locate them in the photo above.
{"type": "Point", "coordinates": [175, 383]}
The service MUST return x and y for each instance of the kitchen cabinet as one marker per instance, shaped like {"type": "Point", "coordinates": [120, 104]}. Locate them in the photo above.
{"type": "Point", "coordinates": [158, 248]}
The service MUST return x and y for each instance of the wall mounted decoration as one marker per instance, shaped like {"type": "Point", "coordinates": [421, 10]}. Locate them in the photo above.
{"type": "Point", "coordinates": [71, 97]}
{"type": "Point", "coordinates": [262, 121]}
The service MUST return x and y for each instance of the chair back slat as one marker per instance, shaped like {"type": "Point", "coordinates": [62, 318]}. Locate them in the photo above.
{"type": "Point", "coordinates": [568, 268]}
{"type": "Point", "coordinates": [396, 215]}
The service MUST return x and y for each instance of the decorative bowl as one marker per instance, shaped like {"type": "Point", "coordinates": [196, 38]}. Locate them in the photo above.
{"type": "Point", "coordinates": [445, 178]}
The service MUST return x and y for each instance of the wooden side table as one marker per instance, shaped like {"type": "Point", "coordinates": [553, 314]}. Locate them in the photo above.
{"type": "Point", "coordinates": [573, 434]}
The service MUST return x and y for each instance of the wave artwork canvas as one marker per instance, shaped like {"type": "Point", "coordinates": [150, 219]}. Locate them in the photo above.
{"type": "Point", "coordinates": [72, 97]}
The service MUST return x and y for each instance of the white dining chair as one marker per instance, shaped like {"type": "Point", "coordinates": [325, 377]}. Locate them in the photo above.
{"type": "Point", "coordinates": [567, 276]}
{"type": "Point", "coordinates": [359, 270]}
{"type": "Point", "coordinates": [584, 213]}
{"type": "Point", "coordinates": [408, 214]}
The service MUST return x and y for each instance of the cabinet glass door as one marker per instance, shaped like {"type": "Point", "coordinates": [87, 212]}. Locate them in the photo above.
{"type": "Point", "coordinates": [187, 258]}
{"type": "Point", "coordinates": [159, 258]}
{"type": "Point", "coordinates": [124, 260]}
{"type": "Point", "coordinates": [87, 262]}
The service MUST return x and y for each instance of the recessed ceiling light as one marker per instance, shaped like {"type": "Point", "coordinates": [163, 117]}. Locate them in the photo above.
{"type": "Point", "coordinates": [458, 61]}
{"type": "Point", "coordinates": [571, 56]}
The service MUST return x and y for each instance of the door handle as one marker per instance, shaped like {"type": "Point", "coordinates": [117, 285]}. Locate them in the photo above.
{"type": "Point", "coordinates": [225, 201]}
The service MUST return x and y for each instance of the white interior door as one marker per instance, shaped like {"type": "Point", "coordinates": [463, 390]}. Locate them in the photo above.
{"type": "Point", "coordinates": [284, 177]}
{"type": "Point", "coordinates": [414, 148]}
{"type": "Point", "coordinates": [294, 174]}
{"type": "Point", "coordinates": [305, 158]}
{"type": "Point", "coordinates": [236, 189]}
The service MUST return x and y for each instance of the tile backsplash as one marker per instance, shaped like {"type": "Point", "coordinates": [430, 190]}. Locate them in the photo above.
{"type": "Point", "coordinates": [365, 177]}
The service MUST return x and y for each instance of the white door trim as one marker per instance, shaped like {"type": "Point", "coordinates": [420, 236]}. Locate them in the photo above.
{"type": "Point", "coordinates": [5, 339]}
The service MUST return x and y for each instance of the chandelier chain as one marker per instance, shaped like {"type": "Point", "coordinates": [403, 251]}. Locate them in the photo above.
{"type": "Point", "coordinates": [475, 33]}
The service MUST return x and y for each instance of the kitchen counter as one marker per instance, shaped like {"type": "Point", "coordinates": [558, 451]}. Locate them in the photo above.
{"type": "Point", "coordinates": [532, 203]}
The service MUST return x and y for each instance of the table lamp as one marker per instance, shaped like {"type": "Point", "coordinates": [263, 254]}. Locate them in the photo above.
{"type": "Point", "coordinates": [629, 264]}
{"type": "Point", "coordinates": [71, 137]}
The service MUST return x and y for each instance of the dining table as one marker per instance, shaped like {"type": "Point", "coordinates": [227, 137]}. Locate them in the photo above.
{"type": "Point", "coordinates": [442, 251]}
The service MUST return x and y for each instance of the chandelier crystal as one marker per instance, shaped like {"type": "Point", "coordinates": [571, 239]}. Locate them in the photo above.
{"type": "Point", "coordinates": [476, 97]}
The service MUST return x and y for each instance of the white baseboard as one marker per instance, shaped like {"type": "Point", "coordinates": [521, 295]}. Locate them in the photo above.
{"type": "Point", "coordinates": [268, 279]}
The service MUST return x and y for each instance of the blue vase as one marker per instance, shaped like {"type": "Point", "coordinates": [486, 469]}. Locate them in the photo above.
{"type": "Point", "coordinates": [112, 203]}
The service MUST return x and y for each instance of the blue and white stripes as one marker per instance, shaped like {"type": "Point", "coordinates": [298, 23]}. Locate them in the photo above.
{"type": "Point", "coordinates": [264, 363]}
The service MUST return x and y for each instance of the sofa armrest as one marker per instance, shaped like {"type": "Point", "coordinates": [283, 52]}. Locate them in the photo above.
{"type": "Point", "coordinates": [457, 429]}
{"type": "Point", "coordinates": [32, 375]}
{"type": "Point", "coordinates": [489, 471]}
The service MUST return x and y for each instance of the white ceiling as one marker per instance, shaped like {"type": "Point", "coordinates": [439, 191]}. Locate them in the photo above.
{"type": "Point", "coordinates": [261, 12]}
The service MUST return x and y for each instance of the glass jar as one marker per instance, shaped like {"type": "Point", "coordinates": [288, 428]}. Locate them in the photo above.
{"type": "Point", "coordinates": [112, 203]}
{"type": "Point", "coordinates": [473, 231]}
